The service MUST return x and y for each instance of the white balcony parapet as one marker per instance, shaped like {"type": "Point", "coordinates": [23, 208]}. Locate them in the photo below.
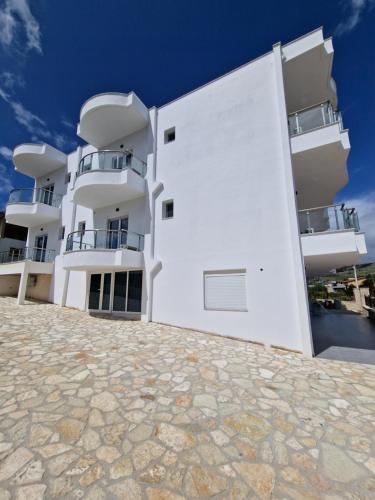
{"type": "Point", "coordinates": [330, 238]}
{"type": "Point", "coordinates": [33, 207]}
{"type": "Point", "coordinates": [36, 160]}
{"type": "Point", "coordinates": [307, 65]}
{"type": "Point", "coordinates": [108, 177]}
{"type": "Point", "coordinates": [106, 118]}
{"type": "Point", "coordinates": [103, 249]}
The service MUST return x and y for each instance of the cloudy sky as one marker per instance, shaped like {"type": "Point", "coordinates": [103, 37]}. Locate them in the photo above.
{"type": "Point", "coordinates": [55, 54]}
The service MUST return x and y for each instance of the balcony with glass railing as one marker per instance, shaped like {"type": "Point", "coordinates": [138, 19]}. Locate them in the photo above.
{"type": "Point", "coordinates": [34, 254]}
{"type": "Point", "coordinates": [326, 219]}
{"type": "Point", "coordinates": [330, 238]}
{"type": "Point", "coordinates": [32, 207]}
{"type": "Point", "coordinates": [103, 248]}
{"type": "Point", "coordinates": [111, 161]}
{"type": "Point", "coordinates": [108, 177]}
{"type": "Point", "coordinates": [313, 118]}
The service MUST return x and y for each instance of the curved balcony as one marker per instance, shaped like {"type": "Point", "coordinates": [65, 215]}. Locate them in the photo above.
{"type": "Point", "coordinates": [108, 177]}
{"type": "Point", "coordinates": [32, 207]}
{"type": "Point", "coordinates": [102, 249]}
{"type": "Point", "coordinates": [106, 118]}
{"type": "Point", "coordinates": [36, 160]}
{"type": "Point", "coordinates": [330, 238]}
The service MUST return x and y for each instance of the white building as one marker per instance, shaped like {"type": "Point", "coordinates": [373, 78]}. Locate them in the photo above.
{"type": "Point", "coordinates": [201, 213]}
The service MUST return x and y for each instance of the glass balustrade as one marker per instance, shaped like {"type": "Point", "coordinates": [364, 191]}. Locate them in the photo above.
{"type": "Point", "coordinates": [111, 161]}
{"type": "Point", "coordinates": [325, 219]}
{"type": "Point", "coordinates": [36, 195]}
{"type": "Point", "coordinates": [35, 254]}
{"type": "Point", "coordinates": [104, 239]}
{"type": "Point", "coordinates": [313, 118]}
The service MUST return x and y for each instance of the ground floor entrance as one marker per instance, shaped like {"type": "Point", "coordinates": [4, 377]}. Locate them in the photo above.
{"type": "Point", "coordinates": [119, 292]}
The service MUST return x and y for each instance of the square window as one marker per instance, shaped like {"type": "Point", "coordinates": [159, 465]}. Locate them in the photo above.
{"type": "Point", "coordinates": [169, 135]}
{"type": "Point", "coordinates": [168, 209]}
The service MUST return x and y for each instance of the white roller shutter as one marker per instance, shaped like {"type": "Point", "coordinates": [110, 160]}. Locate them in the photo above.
{"type": "Point", "coordinates": [225, 291]}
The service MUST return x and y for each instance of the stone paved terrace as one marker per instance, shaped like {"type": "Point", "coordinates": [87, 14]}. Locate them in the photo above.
{"type": "Point", "coordinates": [97, 408]}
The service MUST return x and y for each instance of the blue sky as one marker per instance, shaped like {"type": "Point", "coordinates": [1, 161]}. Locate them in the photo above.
{"type": "Point", "coordinates": [55, 54]}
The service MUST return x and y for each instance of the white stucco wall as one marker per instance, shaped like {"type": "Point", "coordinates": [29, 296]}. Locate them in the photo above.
{"type": "Point", "coordinates": [225, 174]}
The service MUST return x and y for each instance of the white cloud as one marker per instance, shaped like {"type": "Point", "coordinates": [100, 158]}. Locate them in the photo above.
{"type": "Point", "coordinates": [5, 185]}
{"type": "Point", "coordinates": [16, 16]}
{"type": "Point", "coordinates": [37, 127]}
{"type": "Point", "coordinates": [6, 152]}
{"type": "Point", "coordinates": [356, 10]}
{"type": "Point", "coordinates": [10, 80]}
{"type": "Point", "coordinates": [67, 123]}
{"type": "Point", "coordinates": [365, 206]}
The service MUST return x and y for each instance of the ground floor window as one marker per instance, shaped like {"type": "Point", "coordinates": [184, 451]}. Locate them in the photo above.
{"type": "Point", "coordinates": [117, 291]}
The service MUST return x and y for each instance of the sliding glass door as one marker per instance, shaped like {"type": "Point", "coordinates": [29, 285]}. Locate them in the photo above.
{"type": "Point", "coordinates": [117, 291]}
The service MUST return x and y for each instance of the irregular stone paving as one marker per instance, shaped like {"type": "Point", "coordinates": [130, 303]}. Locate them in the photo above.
{"type": "Point", "coordinates": [100, 408]}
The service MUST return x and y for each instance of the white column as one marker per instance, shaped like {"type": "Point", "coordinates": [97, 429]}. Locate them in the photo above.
{"type": "Point", "coordinates": [23, 285]}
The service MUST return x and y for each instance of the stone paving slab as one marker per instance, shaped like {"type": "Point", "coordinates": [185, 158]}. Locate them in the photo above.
{"type": "Point", "coordinates": [100, 408]}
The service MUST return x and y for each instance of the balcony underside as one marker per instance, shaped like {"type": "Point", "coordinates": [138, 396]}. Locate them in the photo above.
{"type": "Point", "coordinates": [102, 260]}
{"type": "Point", "coordinates": [106, 118]}
{"type": "Point", "coordinates": [37, 160]}
{"type": "Point", "coordinates": [319, 165]}
{"type": "Point", "coordinates": [324, 252]}
{"type": "Point", "coordinates": [97, 189]}
{"type": "Point", "coordinates": [31, 214]}
{"type": "Point", "coordinates": [307, 64]}
{"type": "Point", "coordinates": [32, 267]}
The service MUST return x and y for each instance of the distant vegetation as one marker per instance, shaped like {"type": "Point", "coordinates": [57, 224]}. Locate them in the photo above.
{"type": "Point", "coordinates": [364, 271]}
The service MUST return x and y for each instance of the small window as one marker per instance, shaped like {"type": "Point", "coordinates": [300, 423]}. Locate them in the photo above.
{"type": "Point", "coordinates": [168, 209]}
{"type": "Point", "coordinates": [61, 232]}
{"type": "Point", "coordinates": [67, 178]}
{"type": "Point", "coordinates": [169, 135]}
{"type": "Point", "coordinates": [225, 290]}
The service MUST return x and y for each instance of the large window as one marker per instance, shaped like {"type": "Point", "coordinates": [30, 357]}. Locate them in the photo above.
{"type": "Point", "coordinates": [225, 290]}
{"type": "Point", "coordinates": [116, 291]}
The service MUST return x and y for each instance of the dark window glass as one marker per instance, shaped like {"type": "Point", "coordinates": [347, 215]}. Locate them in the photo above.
{"type": "Point", "coordinates": [67, 178]}
{"type": "Point", "coordinates": [94, 296]}
{"type": "Point", "coordinates": [119, 294]}
{"type": "Point", "coordinates": [106, 291]}
{"type": "Point", "coordinates": [168, 210]}
{"type": "Point", "coordinates": [135, 291]}
{"type": "Point", "coordinates": [169, 135]}
{"type": "Point", "coordinates": [62, 233]}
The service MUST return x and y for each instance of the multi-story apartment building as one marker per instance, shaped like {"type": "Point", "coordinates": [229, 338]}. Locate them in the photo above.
{"type": "Point", "coordinates": [205, 213]}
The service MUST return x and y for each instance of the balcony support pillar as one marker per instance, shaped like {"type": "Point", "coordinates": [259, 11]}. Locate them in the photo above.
{"type": "Point", "coordinates": [23, 285]}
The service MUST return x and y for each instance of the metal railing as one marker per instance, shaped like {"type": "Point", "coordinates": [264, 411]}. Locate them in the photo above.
{"type": "Point", "coordinates": [35, 254]}
{"type": "Point", "coordinates": [111, 161]}
{"type": "Point", "coordinates": [325, 219]}
{"type": "Point", "coordinates": [36, 195]}
{"type": "Point", "coordinates": [313, 118]}
{"type": "Point", "coordinates": [104, 239]}
{"type": "Point", "coordinates": [370, 301]}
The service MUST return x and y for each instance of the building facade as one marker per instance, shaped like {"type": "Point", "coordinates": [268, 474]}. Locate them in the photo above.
{"type": "Point", "coordinates": [205, 213]}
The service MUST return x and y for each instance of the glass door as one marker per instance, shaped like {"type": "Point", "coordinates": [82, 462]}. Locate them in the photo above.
{"type": "Point", "coordinates": [40, 248]}
{"type": "Point", "coordinates": [117, 291]}
{"type": "Point", "coordinates": [100, 292]}
{"type": "Point", "coordinates": [95, 288]}
{"type": "Point", "coordinates": [47, 194]}
{"type": "Point", "coordinates": [117, 234]}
